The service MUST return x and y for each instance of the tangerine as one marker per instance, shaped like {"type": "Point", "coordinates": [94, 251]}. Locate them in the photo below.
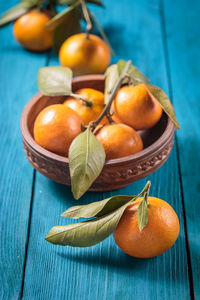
{"type": "Point", "coordinates": [158, 236]}
{"type": "Point", "coordinates": [119, 140]}
{"type": "Point", "coordinates": [91, 111]}
{"type": "Point", "coordinates": [85, 55]}
{"type": "Point", "coordinates": [29, 30]}
{"type": "Point", "coordinates": [55, 128]}
{"type": "Point", "coordinates": [136, 107]}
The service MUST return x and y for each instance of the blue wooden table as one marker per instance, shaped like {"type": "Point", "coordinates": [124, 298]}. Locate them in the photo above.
{"type": "Point", "coordinates": [162, 37]}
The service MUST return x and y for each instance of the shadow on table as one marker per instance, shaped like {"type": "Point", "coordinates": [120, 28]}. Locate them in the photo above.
{"type": "Point", "coordinates": [19, 49]}
{"type": "Point", "coordinates": [63, 193]}
{"type": "Point", "coordinates": [112, 258]}
{"type": "Point", "coordinates": [161, 268]}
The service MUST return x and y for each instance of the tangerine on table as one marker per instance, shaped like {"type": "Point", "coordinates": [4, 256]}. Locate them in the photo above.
{"type": "Point", "coordinates": [55, 128]}
{"type": "Point", "coordinates": [119, 140]}
{"type": "Point", "coordinates": [29, 30]}
{"type": "Point", "coordinates": [136, 107]}
{"type": "Point", "coordinates": [158, 236]}
{"type": "Point", "coordinates": [88, 113]}
{"type": "Point", "coordinates": [84, 55]}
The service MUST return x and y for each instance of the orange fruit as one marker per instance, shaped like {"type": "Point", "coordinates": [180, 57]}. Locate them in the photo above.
{"type": "Point", "coordinates": [136, 107]}
{"type": "Point", "coordinates": [55, 128]}
{"type": "Point", "coordinates": [84, 55]}
{"type": "Point", "coordinates": [88, 113]}
{"type": "Point", "coordinates": [158, 236]}
{"type": "Point", "coordinates": [119, 140]}
{"type": "Point", "coordinates": [29, 30]}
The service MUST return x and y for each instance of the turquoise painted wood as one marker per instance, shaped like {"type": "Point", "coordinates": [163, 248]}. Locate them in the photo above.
{"type": "Point", "coordinates": [183, 44]}
{"type": "Point", "coordinates": [164, 43]}
{"type": "Point", "coordinates": [103, 271]}
{"type": "Point", "coordinates": [17, 85]}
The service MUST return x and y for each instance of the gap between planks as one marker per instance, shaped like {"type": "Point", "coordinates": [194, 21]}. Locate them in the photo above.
{"type": "Point", "coordinates": [28, 232]}
{"type": "Point", "coordinates": [30, 211]}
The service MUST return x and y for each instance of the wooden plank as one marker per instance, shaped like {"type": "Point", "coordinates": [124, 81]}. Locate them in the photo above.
{"type": "Point", "coordinates": [183, 44]}
{"type": "Point", "coordinates": [104, 271]}
{"type": "Point", "coordinates": [18, 69]}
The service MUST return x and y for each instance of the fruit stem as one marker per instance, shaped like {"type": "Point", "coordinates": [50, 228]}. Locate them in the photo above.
{"type": "Point", "coordinates": [109, 117]}
{"type": "Point", "coordinates": [112, 95]}
{"type": "Point", "coordinates": [146, 190]}
{"type": "Point", "coordinates": [88, 102]}
{"type": "Point", "coordinates": [87, 17]}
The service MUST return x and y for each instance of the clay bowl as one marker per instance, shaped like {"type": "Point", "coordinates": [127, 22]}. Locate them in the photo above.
{"type": "Point", "coordinates": [158, 142]}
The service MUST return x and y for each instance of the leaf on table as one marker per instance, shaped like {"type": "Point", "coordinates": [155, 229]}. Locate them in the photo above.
{"type": "Point", "coordinates": [102, 32]}
{"type": "Point", "coordinates": [164, 101]}
{"type": "Point", "coordinates": [61, 17]}
{"type": "Point", "coordinates": [142, 214]}
{"type": "Point", "coordinates": [86, 160]}
{"type": "Point", "coordinates": [69, 26]}
{"type": "Point", "coordinates": [55, 81]}
{"type": "Point", "coordinates": [98, 208]}
{"type": "Point", "coordinates": [88, 233]}
{"type": "Point", "coordinates": [133, 72]}
{"type": "Point", "coordinates": [14, 13]}
{"type": "Point", "coordinates": [111, 77]}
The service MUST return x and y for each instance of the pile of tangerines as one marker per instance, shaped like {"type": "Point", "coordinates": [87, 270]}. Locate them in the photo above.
{"type": "Point", "coordinates": [133, 108]}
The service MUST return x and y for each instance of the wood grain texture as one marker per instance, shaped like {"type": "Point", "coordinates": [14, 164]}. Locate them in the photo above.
{"type": "Point", "coordinates": [104, 271]}
{"type": "Point", "coordinates": [18, 70]}
{"type": "Point", "coordinates": [183, 48]}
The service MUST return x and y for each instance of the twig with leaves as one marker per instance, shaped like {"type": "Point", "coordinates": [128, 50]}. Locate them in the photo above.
{"type": "Point", "coordinates": [106, 213]}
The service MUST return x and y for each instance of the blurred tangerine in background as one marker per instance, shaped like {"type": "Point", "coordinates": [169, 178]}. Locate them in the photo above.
{"type": "Point", "coordinates": [85, 54]}
{"type": "Point", "coordinates": [29, 30]}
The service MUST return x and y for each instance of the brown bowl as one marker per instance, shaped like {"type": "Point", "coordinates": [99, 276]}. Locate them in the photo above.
{"type": "Point", "coordinates": [158, 142]}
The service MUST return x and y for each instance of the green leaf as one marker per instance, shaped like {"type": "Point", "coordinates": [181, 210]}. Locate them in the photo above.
{"type": "Point", "coordinates": [111, 77]}
{"type": "Point", "coordinates": [102, 33]}
{"type": "Point", "coordinates": [70, 25]}
{"type": "Point", "coordinates": [86, 160]}
{"type": "Point", "coordinates": [108, 213]}
{"type": "Point", "coordinates": [133, 72]}
{"type": "Point", "coordinates": [14, 13]}
{"type": "Point", "coordinates": [61, 17]}
{"type": "Point", "coordinates": [88, 233]}
{"type": "Point", "coordinates": [142, 214]}
{"type": "Point", "coordinates": [55, 81]}
{"type": "Point", "coordinates": [164, 101]}
{"type": "Point", "coordinates": [98, 208]}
